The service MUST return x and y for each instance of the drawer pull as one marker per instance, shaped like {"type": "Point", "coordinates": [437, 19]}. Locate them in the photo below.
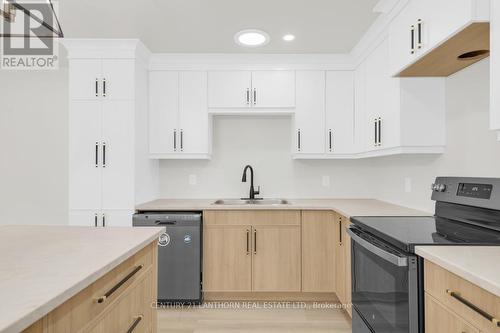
{"type": "Point", "coordinates": [471, 306]}
{"type": "Point", "coordinates": [110, 292]}
{"type": "Point", "coordinates": [135, 323]}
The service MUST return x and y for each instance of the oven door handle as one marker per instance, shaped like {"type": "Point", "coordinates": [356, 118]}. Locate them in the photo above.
{"type": "Point", "coordinates": [390, 257]}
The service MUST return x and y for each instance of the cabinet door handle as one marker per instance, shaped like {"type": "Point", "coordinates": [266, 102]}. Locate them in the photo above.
{"type": "Point", "coordinates": [255, 241]}
{"type": "Point", "coordinates": [375, 134]}
{"type": "Point", "coordinates": [111, 291]}
{"type": "Point", "coordinates": [96, 87]}
{"type": "Point", "coordinates": [136, 322]}
{"type": "Point", "coordinates": [175, 140]}
{"type": "Point", "coordinates": [490, 318]}
{"type": "Point", "coordinates": [412, 39]}
{"type": "Point", "coordinates": [254, 96]}
{"type": "Point", "coordinates": [104, 154]}
{"type": "Point", "coordinates": [97, 154]}
{"type": "Point", "coordinates": [95, 220]}
{"type": "Point", "coordinates": [248, 96]}
{"type": "Point", "coordinates": [248, 242]}
{"type": "Point", "coordinates": [298, 140]}
{"type": "Point", "coordinates": [330, 139]}
{"type": "Point", "coordinates": [379, 131]}
{"type": "Point", "coordinates": [340, 231]}
{"type": "Point", "coordinates": [419, 32]}
{"type": "Point", "coordinates": [182, 140]}
{"type": "Point", "coordinates": [103, 87]}
{"type": "Point", "coordinates": [103, 220]}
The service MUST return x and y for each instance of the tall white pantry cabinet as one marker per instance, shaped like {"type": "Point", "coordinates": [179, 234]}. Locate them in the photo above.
{"type": "Point", "coordinates": [109, 167]}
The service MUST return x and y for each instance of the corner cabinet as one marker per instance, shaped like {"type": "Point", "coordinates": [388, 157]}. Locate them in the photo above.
{"type": "Point", "coordinates": [402, 115]}
{"type": "Point", "coordinates": [251, 89]}
{"type": "Point", "coordinates": [426, 37]}
{"type": "Point", "coordinates": [179, 124]}
{"type": "Point", "coordinates": [107, 132]}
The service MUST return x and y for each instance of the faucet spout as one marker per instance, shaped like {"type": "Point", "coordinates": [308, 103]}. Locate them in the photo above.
{"type": "Point", "coordinates": [252, 192]}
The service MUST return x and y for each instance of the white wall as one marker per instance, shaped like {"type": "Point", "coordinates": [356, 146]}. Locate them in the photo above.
{"type": "Point", "coordinates": [34, 147]}
{"type": "Point", "coordinates": [264, 143]}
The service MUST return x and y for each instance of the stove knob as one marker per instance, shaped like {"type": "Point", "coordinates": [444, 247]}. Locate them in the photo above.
{"type": "Point", "coordinates": [433, 187]}
{"type": "Point", "coordinates": [441, 187]}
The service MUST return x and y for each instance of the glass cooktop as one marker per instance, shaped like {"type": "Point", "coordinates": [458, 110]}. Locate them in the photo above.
{"type": "Point", "coordinates": [407, 232]}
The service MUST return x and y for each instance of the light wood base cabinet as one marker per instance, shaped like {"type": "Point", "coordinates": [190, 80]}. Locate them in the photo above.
{"type": "Point", "coordinates": [130, 292]}
{"type": "Point", "coordinates": [256, 251]}
{"type": "Point", "coordinates": [277, 255]}
{"type": "Point", "coordinates": [319, 242]}
{"type": "Point", "coordinates": [463, 305]}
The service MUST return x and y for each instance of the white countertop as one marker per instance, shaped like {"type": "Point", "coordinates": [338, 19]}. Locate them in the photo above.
{"type": "Point", "coordinates": [43, 266]}
{"type": "Point", "coordinates": [476, 264]}
{"type": "Point", "coordinates": [346, 207]}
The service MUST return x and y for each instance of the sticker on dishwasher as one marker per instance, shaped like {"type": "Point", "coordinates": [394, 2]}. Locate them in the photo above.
{"type": "Point", "coordinates": [187, 239]}
{"type": "Point", "coordinates": [164, 239]}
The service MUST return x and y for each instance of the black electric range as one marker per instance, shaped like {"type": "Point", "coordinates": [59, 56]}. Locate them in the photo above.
{"type": "Point", "coordinates": [387, 276]}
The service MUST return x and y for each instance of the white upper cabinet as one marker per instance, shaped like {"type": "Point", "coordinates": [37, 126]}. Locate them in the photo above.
{"type": "Point", "coordinates": [179, 124]}
{"type": "Point", "coordinates": [424, 25]}
{"type": "Point", "coordinates": [193, 115]}
{"type": "Point", "coordinates": [229, 89]}
{"type": "Point", "coordinates": [118, 77]}
{"type": "Point", "coordinates": [92, 79]}
{"type": "Point", "coordinates": [340, 112]}
{"type": "Point", "coordinates": [246, 89]}
{"type": "Point", "coordinates": [273, 89]}
{"type": "Point", "coordinates": [495, 68]}
{"type": "Point", "coordinates": [309, 131]}
{"type": "Point", "coordinates": [163, 111]}
{"type": "Point", "coordinates": [402, 114]}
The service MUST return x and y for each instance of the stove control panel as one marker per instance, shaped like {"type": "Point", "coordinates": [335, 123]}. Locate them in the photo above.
{"type": "Point", "coordinates": [478, 192]}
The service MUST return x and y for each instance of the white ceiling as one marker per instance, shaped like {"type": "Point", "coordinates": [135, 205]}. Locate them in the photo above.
{"type": "Point", "coordinates": [208, 26]}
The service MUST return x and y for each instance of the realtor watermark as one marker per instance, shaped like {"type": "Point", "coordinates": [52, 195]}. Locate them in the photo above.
{"type": "Point", "coordinates": [28, 42]}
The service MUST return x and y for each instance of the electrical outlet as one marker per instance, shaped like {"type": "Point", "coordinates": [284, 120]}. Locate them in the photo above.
{"type": "Point", "coordinates": [193, 180]}
{"type": "Point", "coordinates": [407, 185]}
{"type": "Point", "coordinates": [325, 181]}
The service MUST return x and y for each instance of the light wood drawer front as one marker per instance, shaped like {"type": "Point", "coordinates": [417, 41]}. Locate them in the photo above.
{"type": "Point", "coordinates": [80, 310]}
{"type": "Point", "coordinates": [440, 320]}
{"type": "Point", "coordinates": [251, 217]}
{"type": "Point", "coordinates": [132, 312]}
{"type": "Point", "coordinates": [440, 283]}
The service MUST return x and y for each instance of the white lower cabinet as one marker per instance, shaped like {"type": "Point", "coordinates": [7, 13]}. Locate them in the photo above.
{"type": "Point", "coordinates": [179, 124]}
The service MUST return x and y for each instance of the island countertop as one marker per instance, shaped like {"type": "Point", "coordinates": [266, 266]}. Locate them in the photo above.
{"type": "Point", "coordinates": [43, 266]}
{"type": "Point", "coordinates": [345, 207]}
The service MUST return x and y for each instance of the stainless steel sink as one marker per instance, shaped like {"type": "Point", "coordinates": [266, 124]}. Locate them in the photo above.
{"type": "Point", "coordinates": [236, 202]}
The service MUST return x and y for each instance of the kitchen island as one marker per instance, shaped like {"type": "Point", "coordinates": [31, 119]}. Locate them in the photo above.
{"type": "Point", "coordinates": [68, 279]}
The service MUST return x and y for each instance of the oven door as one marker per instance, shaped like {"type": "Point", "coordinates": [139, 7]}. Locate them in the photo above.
{"type": "Point", "coordinates": [384, 286]}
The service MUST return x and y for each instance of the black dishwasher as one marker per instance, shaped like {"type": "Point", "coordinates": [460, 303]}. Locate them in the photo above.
{"type": "Point", "coordinates": [179, 255]}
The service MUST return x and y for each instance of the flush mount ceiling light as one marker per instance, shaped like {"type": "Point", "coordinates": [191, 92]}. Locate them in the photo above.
{"type": "Point", "coordinates": [288, 38]}
{"type": "Point", "coordinates": [251, 38]}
